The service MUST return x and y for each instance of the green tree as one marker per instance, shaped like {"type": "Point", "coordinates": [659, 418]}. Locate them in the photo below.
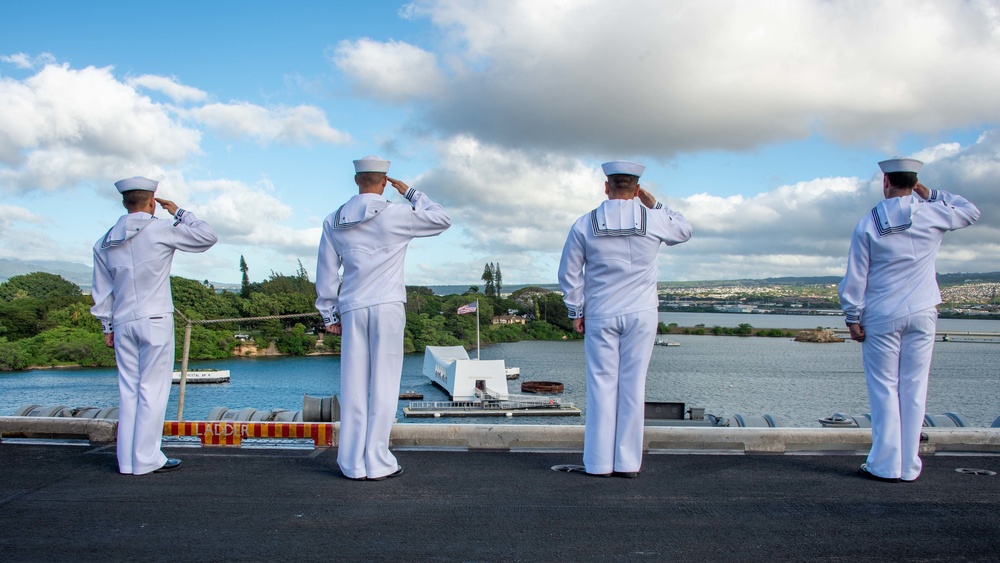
{"type": "Point", "coordinates": [553, 310]}
{"type": "Point", "coordinates": [40, 285]}
{"type": "Point", "coordinates": [207, 344]}
{"type": "Point", "coordinates": [497, 280]}
{"type": "Point", "coordinates": [20, 318]}
{"type": "Point", "coordinates": [12, 357]}
{"type": "Point", "coordinates": [245, 284]}
{"type": "Point", "coordinates": [295, 341]}
{"type": "Point", "coordinates": [488, 287]}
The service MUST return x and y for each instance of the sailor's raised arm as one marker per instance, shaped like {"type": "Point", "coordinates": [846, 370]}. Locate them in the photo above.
{"type": "Point", "coordinates": [429, 218]}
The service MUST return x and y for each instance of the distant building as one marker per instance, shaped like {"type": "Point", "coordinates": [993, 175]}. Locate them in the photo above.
{"type": "Point", "coordinates": [733, 308]}
{"type": "Point", "coordinates": [508, 320]}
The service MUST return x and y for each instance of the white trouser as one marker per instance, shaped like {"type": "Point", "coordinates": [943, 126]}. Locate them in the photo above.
{"type": "Point", "coordinates": [371, 363]}
{"type": "Point", "coordinates": [144, 351]}
{"type": "Point", "coordinates": [618, 352]}
{"type": "Point", "coordinates": [897, 359]}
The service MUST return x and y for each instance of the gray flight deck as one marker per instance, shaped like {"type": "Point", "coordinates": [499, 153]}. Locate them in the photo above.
{"type": "Point", "coordinates": [68, 503]}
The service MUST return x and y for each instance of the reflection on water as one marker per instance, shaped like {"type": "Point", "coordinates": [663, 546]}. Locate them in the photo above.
{"type": "Point", "coordinates": [796, 381]}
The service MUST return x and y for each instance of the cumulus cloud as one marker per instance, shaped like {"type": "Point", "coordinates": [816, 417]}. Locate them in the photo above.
{"type": "Point", "coordinates": [394, 71]}
{"type": "Point", "coordinates": [652, 77]}
{"type": "Point", "coordinates": [516, 207]}
{"type": "Point", "coordinates": [250, 216]}
{"type": "Point", "coordinates": [108, 129]}
{"type": "Point", "coordinates": [51, 140]}
{"type": "Point", "coordinates": [10, 214]}
{"type": "Point", "coordinates": [23, 60]}
{"type": "Point", "coordinates": [299, 125]}
{"type": "Point", "coordinates": [176, 91]}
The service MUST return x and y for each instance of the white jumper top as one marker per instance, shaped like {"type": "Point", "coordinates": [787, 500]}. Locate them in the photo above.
{"type": "Point", "coordinates": [132, 264]}
{"type": "Point", "coordinates": [890, 267]}
{"type": "Point", "coordinates": [368, 237]}
{"type": "Point", "coordinates": [608, 265]}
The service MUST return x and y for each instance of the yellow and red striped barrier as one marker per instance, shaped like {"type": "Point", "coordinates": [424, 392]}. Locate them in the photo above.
{"type": "Point", "coordinates": [229, 433]}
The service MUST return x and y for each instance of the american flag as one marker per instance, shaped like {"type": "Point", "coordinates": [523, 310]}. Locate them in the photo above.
{"type": "Point", "coordinates": [470, 308]}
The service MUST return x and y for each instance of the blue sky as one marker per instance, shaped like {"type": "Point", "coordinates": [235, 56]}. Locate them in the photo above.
{"type": "Point", "coordinates": [763, 127]}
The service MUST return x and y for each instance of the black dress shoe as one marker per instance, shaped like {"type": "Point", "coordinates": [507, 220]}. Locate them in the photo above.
{"type": "Point", "coordinates": [396, 473]}
{"type": "Point", "coordinates": [599, 474]}
{"type": "Point", "coordinates": [867, 474]}
{"type": "Point", "coordinates": [626, 474]}
{"type": "Point", "coordinates": [170, 465]}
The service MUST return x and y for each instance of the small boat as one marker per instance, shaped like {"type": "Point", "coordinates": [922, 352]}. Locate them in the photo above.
{"type": "Point", "coordinates": [665, 342]}
{"type": "Point", "coordinates": [541, 387]}
{"type": "Point", "coordinates": [410, 396]}
{"type": "Point", "coordinates": [207, 375]}
{"type": "Point", "coordinates": [513, 373]}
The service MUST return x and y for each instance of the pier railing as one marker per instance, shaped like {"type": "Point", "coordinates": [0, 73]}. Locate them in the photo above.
{"type": "Point", "coordinates": [188, 323]}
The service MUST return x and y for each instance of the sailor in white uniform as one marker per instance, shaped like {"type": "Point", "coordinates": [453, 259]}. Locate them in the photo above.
{"type": "Point", "coordinates": [131, 293]}
{"type": "Point", "coordinates": [608, 277]}
{"type": "Point", "coordinates": [889, 294]}
{"type": "Point", "coordinates": [368, 237]}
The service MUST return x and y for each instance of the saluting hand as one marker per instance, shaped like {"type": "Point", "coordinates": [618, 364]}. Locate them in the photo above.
{"type": "Point", "coordinates": [646, 198]}
{"type": "Point", "coordinates": [922, 191]}
{"type": "Point", "coordinates": [857, 333]}
{"type": "Point", "coordinates": [170, 206]}
{"type": "Point", "coordinates": [400, 186]}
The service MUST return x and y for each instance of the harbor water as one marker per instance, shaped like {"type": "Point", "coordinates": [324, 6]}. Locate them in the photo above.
{"type": "Point", "coordinates": [795, 381]}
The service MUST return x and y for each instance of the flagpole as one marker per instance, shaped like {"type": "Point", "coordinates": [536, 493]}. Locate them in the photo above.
{"type": "Point", "coordinates": [477, 329]}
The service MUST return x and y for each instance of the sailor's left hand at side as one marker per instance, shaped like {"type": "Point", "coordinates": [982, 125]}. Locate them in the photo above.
{"type": "Point", "coordinates": [857, 333]}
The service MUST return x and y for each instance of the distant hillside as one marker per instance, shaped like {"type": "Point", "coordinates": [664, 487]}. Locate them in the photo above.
{"type": "Point", "coordinates": [943, 279]}
{"type": "Point", "coordinates": [80, 274]}
{"type": "Point", "coordinates": [952, 279]}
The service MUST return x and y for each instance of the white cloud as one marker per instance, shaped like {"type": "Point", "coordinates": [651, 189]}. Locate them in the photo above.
{"type": "Point", "coordinates": [10, 214]}
{"type": "Point", "coordinates": [52, 139]}
{"type": "Point", "coordinates": [23, 60]}
{"type": "Point", "coordinates": [653, 77]}
{"type": "Point", "coordinates": [393, 71]}
{"type": "Point", "coordinates": [62, 127]}
{"type": "Point", "coordinates": [511, 200]}
{"type": "Point", "coordinates": [176, 91]}
{"type": "Point", "coordinates": [300, 125]}
{"type": "Point", "coordinates": [250, 216]}
{"type": "Point", "coordinates": [515, 207]}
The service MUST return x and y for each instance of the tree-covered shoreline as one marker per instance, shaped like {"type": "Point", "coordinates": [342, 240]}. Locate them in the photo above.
{"type": "Point", "coordinates": [45, 320]}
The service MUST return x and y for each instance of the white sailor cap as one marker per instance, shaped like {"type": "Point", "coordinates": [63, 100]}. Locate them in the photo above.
{"type": "Point", "coordinates": [900, 164]}
{"type": "Point", "coordinates": [371, 163]}
{"type": "Point", "coordinates": [136, 183]}
{"type": "Point", "coordinates": [623, 167]}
